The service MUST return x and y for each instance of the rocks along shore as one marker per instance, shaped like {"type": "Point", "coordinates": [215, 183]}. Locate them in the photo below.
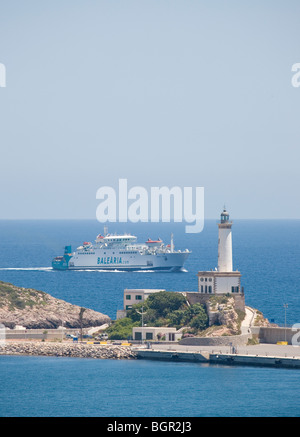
{"type": "Point", "coordinates": [78, 350]}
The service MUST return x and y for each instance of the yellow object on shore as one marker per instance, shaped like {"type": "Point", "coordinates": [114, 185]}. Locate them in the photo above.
{"type": "Point", "coordinates": [125, 344]}
{"type": "Point", "coordinates": [282, 343]}
{"type": "Point", "coordinates": [103, 342]}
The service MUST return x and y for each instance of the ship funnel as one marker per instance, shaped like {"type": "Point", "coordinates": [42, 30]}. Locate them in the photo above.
{"type": "Point", "coordinates": [68, 250]}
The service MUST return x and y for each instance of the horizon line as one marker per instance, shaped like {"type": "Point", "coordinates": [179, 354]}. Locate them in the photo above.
{"type": "Point", "coordinates": [148, 222]}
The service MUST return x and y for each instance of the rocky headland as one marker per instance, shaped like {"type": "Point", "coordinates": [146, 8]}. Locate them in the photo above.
{"type": "Point", "coordinates": [35, 309]}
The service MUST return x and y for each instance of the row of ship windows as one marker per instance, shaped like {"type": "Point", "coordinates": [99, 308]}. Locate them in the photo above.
{"type": "Point", "coordinates": [127, 252]}
{"type": "Point", "coordinates": [121, 253]}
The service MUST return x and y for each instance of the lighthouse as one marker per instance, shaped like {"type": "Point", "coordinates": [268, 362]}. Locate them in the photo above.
{"type": "Point", "coordinates": [222, 280]}
{"type": "Point", "coordinates": [225, 243]}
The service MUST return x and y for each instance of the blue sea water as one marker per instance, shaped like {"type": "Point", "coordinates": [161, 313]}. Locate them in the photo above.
{"type": "Point", "coordinates": [267, 252]}
{"type": "Point", "coordinates": [65, 387]}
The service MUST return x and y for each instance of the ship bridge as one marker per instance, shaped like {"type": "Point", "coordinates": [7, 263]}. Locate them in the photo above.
{"type": "Point", "coordinates": [122, 240]}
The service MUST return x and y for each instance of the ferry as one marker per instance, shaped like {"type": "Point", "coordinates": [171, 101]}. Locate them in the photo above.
{"type": "Point", "coordinates": [122, 252]}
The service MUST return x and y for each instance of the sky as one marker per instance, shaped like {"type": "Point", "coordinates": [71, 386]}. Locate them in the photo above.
{"type": "Point", "coordinates": [163, 93]}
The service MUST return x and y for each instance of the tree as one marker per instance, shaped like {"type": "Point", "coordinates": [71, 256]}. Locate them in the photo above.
{"type": "Point", "coordinates": [177, 318]}
{"type": "Point", "coordinates": [82, 310]}
{"type": "Point", "coordinates": [200, 321]}
{"type": "Point", "coordinates": [165, 302]}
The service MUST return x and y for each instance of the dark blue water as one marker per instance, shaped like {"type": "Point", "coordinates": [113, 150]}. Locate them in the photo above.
{"type": "Point", "coordinates": [266, 252]}
{"type": "Point", "coordinates": [45, 386]}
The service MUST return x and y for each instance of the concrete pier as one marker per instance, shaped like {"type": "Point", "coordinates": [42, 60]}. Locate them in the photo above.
{"type": "Point", "coordinates": [254, 360]}
{"type": "Point", "coordinates": [259, 355]}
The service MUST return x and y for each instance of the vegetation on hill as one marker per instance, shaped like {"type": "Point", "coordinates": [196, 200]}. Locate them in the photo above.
{"type": "Point", "coordinates": [36, 309]}
{"type": "Point", "coordinates": [164, 308]}
{"type": "Point", "coordinates": [16, 298]}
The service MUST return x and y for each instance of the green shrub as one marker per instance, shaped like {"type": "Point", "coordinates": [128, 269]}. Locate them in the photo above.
{"type": "Point", "coordinates": [165, 302]}
{"type": "Point", "coordinates": [121, 329]}
{"type": "Point", "coordinates": [200, 321]}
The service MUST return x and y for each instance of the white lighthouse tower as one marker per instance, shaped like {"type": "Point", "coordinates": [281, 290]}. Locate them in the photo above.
{"type": "Point", "coordinates": [225, 244]}
{"type": "Point", "coordinates": [222, 280]}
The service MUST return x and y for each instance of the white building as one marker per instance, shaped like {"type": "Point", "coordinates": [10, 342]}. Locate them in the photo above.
{"type": "Point", "coordinates": [163, 333]}
{"type": "Point", "coordinates": [223, 280]}
{"type": "Point", "coordinates": [134, 296]}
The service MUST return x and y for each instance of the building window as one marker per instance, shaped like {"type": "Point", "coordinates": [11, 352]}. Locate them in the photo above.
{"type": "Point", "coordinates": [128, 307]}
{"type": "Point", "coordinates": [149, 336]}
{"type": "Point", "coordinates": [210, 289]}
{"type": "Point", "coordinates": [138, 297]}
{"type": "Point", "coordinates": [201, 279]}
{"type": "Point", "coordinates": [128, 297]}
{"type": "Point", "coordinates": [138, 336]}
{"type": "Point", "coordinates": [201, 288]}
{"type": "Point", "coordinates": [171, 336]}
{"type": "Point", "coordinates": [234, 289]}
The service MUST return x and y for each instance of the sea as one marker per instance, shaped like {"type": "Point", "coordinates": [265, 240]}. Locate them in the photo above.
{"type": "Point", "coordinates": [266, 252]}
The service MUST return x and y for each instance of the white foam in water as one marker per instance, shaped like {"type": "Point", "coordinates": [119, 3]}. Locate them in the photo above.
{"type": "Point", "coordinates": [48, 269]}
{"type": "Point", "coordinates": [30, 269]}
{"type": "Point", "coordinates": [97, 270]}
{"type": "Point", "coordinates": [113, 271]}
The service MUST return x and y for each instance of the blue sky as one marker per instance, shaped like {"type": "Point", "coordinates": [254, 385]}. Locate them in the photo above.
{"type": "Point", "coordinates": [175, 93]}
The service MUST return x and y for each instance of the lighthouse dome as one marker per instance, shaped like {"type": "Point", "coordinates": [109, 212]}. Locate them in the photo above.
{"type": "Point", "coordinates": [224, 216]}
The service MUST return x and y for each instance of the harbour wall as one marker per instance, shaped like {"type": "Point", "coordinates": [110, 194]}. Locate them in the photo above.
{"type": "Point", "coordinates": [268, 335]}
{"type": "Point", "coordinates": [173, 355]}
{"type": "Point", "coordinates": [98, 351]}
{"type": "Point", "coordinates": [272, 334]}
{"type": "Point", "coordinates": [220, 358]}
{"type": "Point", "coordinates": [38, 334]}
{"type": "Point", "coordinates": [230, 340]}
{"type": "Point", "coordinates": [248, 360]}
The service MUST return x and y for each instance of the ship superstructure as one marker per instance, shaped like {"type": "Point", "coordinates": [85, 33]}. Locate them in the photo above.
{"type": "Point", "coordinates": [122, 252]}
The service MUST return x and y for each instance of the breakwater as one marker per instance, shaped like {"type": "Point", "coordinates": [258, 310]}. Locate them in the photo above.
{"type": "Point", "coordinates": [77, 350]}
{"type": "Point", "coordinates": [219, 358]}
{"type": "Point", "coordinates": [113, 351]}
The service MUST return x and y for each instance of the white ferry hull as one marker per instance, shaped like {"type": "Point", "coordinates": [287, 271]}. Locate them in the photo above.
{"type": "Point", "coordinates": [114, 261]}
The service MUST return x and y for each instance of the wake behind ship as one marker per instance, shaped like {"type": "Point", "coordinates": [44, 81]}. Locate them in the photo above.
{"type": "Point", "coordinates": [122, 252]}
